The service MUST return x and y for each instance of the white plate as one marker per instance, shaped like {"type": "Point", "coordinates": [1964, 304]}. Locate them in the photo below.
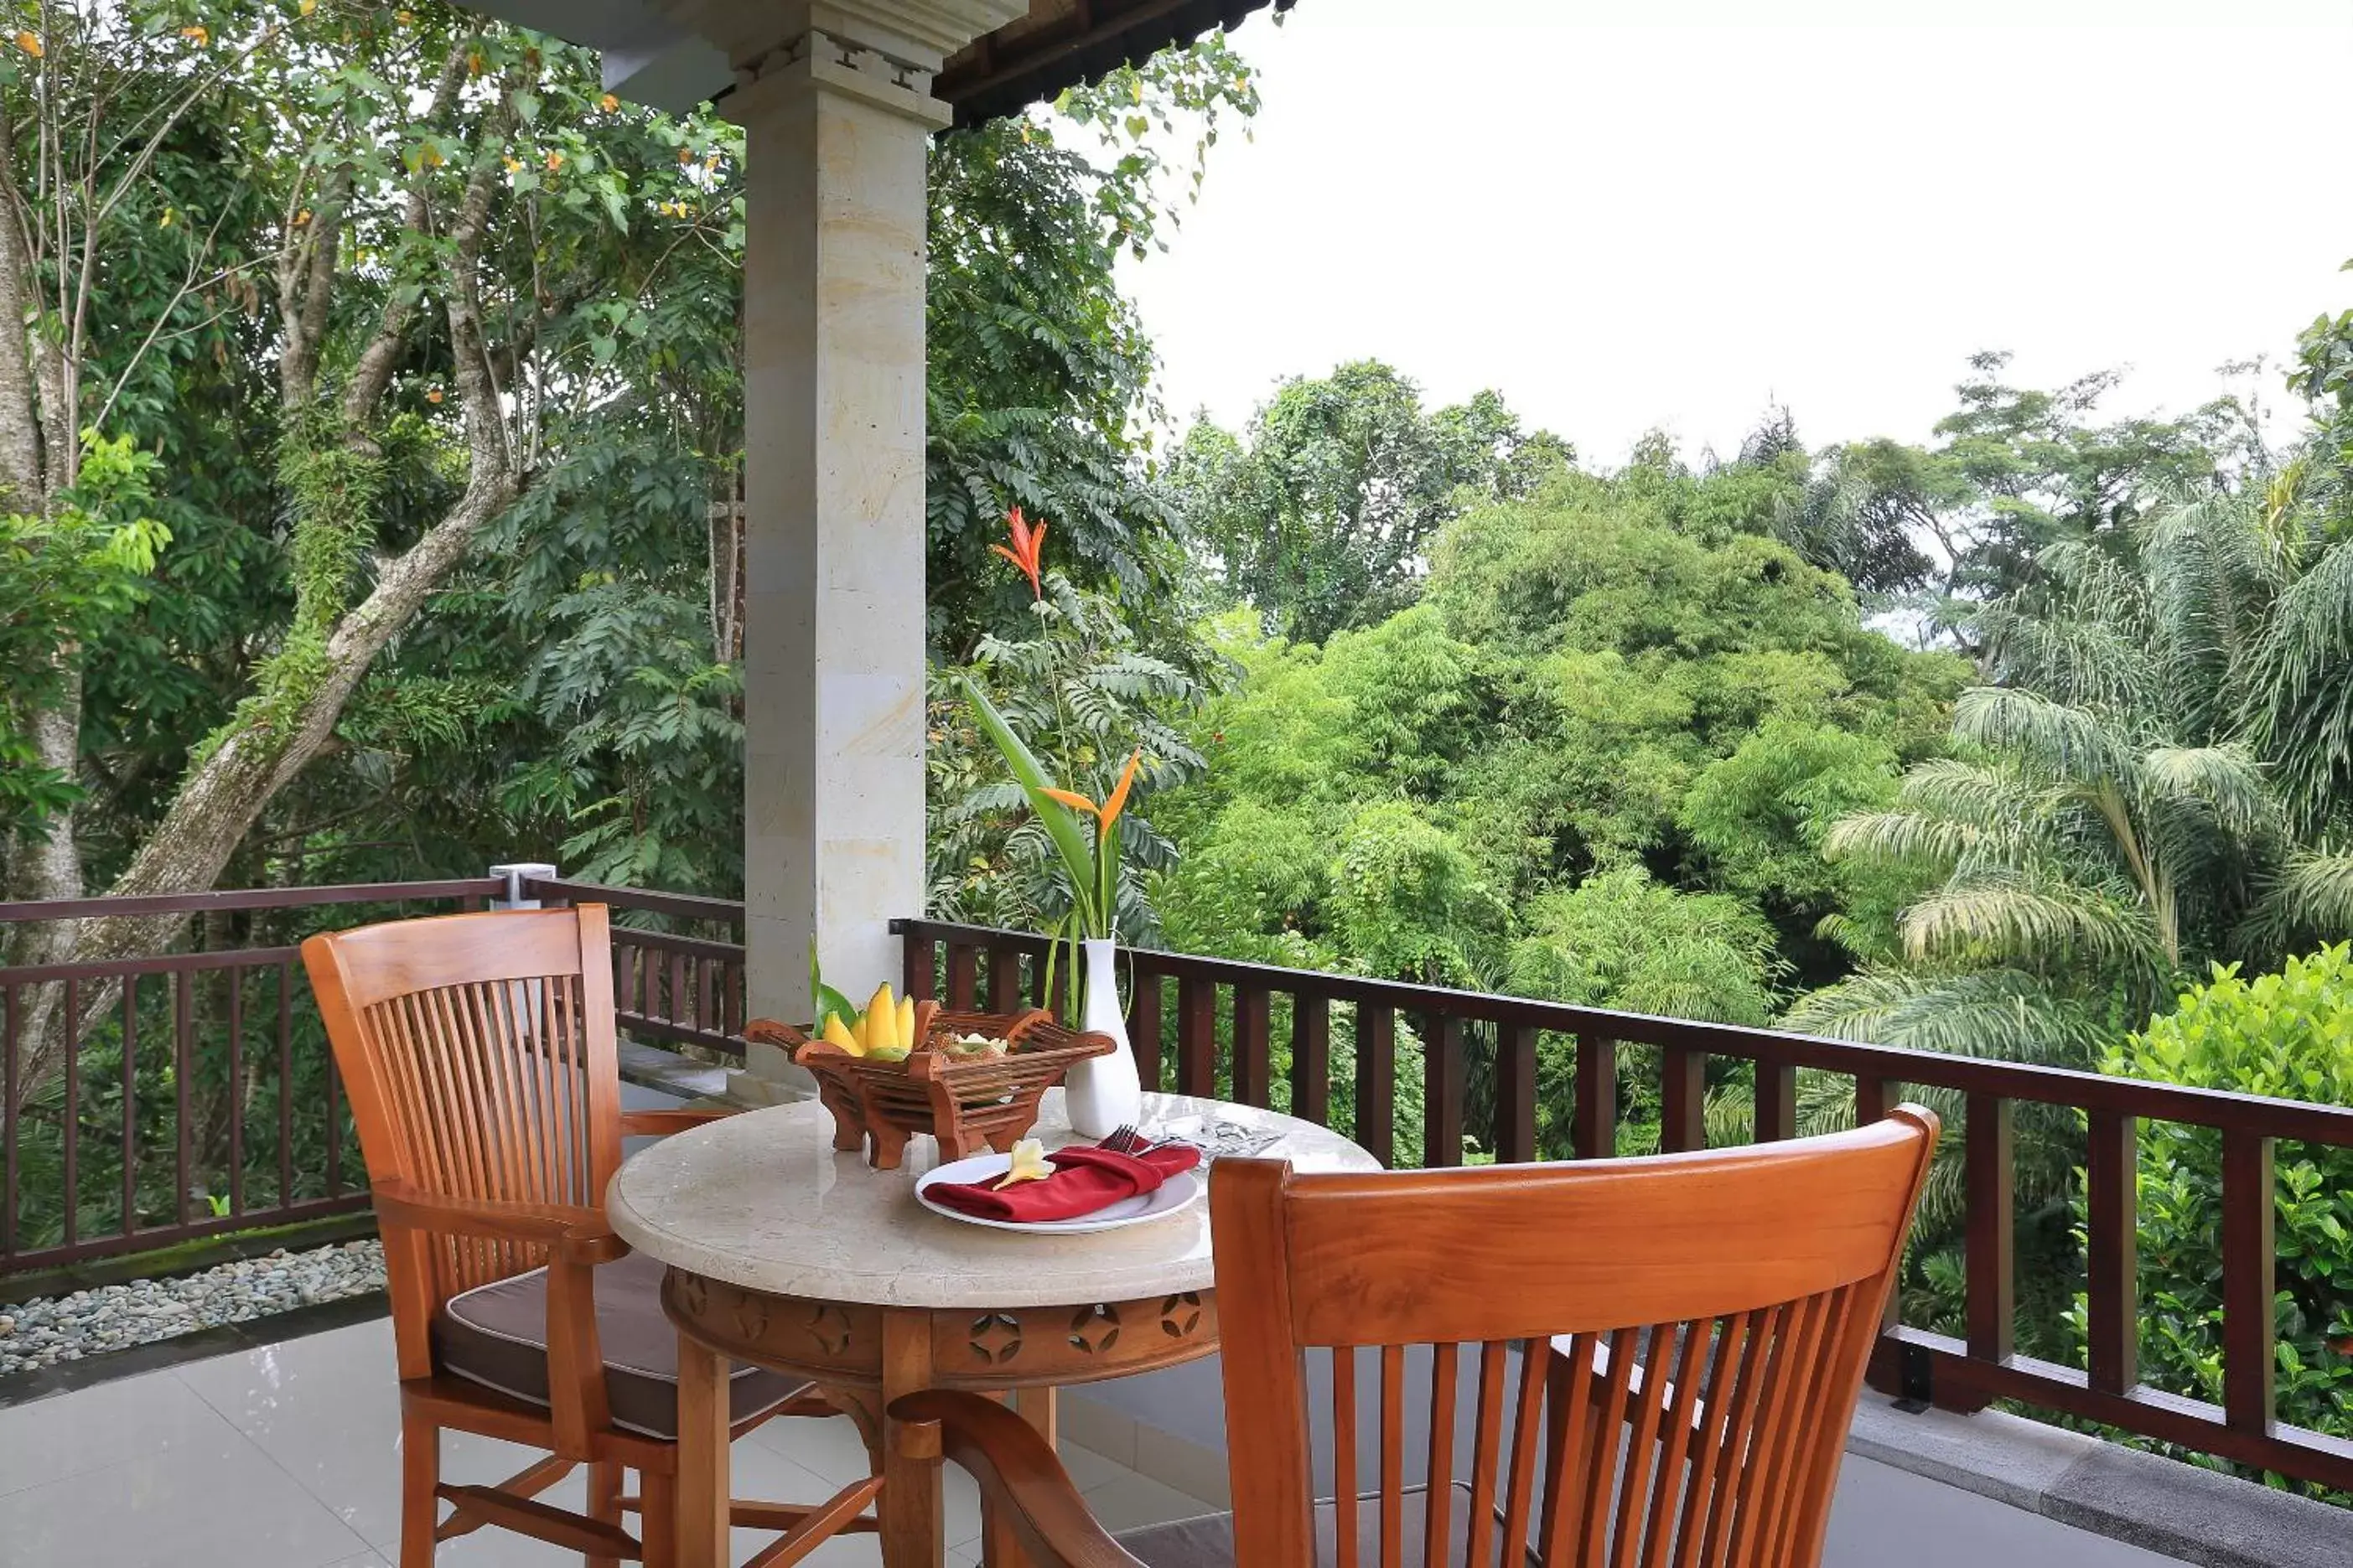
{"type": "Point", "coordinates": [1166, 1199]}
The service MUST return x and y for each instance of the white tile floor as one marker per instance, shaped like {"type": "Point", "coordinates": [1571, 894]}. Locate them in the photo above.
{"type": "Point", "coordinates": [288, 1458]}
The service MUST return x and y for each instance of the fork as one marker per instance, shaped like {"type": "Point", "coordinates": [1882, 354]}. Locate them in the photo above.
{"type": "Point", "coordinates": [1125, 1139]}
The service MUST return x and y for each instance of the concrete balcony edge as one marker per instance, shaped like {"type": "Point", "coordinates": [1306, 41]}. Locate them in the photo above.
{"type": "Point", "coordinates": [2145, 1500]}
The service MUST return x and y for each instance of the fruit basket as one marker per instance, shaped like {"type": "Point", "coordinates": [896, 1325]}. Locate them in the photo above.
{"type": "Point", "coordinates": [968, 1102]}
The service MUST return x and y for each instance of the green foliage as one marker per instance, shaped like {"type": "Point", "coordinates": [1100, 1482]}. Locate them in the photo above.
{"type": "Point", "coordinates": [1620, 941]}
{"type": "Point", "coordinates": [65, 580]}
{"type": "Point", "coordinates": [1041, 392]}
{"type": "Point", "coordinates": [2287, 1034]}
{"type": "Point", "coordinates": [1080, 695]}
{"type": "Point", "coordinates": [1321, 514]}
{"type": "Point", "coordinates": [1601, 717]}
{"type": "Point", "coordinates": [2113, 820]}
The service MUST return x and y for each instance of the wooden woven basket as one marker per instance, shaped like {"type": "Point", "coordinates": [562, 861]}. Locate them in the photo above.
{"type": "Point", "coordinates": [968, 1104]}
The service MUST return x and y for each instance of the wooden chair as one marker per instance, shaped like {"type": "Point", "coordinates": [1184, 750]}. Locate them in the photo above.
{"type": "Point", "coordinates": [1653, 1362]}
{"type": "Point", "coordinates": [480, 1055]}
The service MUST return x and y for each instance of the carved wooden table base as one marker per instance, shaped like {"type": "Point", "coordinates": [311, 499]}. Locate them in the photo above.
{"type": "Point", "coordinates": [862, 1357]}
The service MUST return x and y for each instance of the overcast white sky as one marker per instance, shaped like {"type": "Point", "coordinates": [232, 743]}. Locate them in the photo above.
{"type": "Point", "coordinates": [1626, 215]}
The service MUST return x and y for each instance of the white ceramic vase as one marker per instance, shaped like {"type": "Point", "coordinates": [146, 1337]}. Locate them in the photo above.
{"type": "Point", "coordinates": [1103, 1093]}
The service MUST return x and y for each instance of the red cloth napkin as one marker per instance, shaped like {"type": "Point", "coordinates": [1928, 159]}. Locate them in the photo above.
{"type": "Point", "coordinates": [1084, 1181]}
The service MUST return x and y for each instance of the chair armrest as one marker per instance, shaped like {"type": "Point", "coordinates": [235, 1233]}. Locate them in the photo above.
{"type": "Point", "coordinates": [577, 1239]}
{"type": "Point", "coordinates": [1019, 1477]}
{"type": "Point", "coordinates": [577, 1232]}
{"type": "Point", "coordinates": [654, 1123]}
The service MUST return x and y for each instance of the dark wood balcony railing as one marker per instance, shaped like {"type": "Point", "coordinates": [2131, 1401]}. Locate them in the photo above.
{"type": "Point", "coordinates": [194, 1095]}
{"type": "Point", "coordinates": [238, 1016]}
{"type": "Point", "coordinates": [198, 1098]}
{"type": "Point", "coordinates": [1215, 1041]}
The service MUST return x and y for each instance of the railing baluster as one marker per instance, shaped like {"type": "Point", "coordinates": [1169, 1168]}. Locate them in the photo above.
{"type": "Point", "coordinates": [918, 968]}
{"type": "Point", "coordinates": [130, 1105]}
{"type": "Point", "coordinates": [2112, 1291]}
{"type": "Point", "coordinates": [1990, 1250]}
{"type": "Point", "coordinates": [1441, 1090]}
{"type": "Point", "coordinates": [1776, 1101]}
{"type": "Point", "coordinates": [1144, 1026]}
{"type": "Point", "coordinates": [1515, 1093]}
{"type": "Point", "coordinates": [334, 1129]}
{"type": "Point", "coordinates": [1376, 1129]}
{"type": "Point", "coordinates": [9, 1027]}
{"type": "Point", "coordinates": [1682, 1100]}
{"type": "Point", "coordinates": [236, 1090]}
{"type": "Point", "coordinates": [680, 1001]}
{"type": "Point", "coordinates": [1004, 979]}
{"type": "Point", "coordinates": [285, 1084]}
{"type": "Point", "coordinates": [2250, 1204]}
{"type": "Point", "coordinates": [1197, 1036]}
{"type": "Point", "coordinates": [183, 1072]}
{"type": "Point", "coordinates": [1311, 1057]}
{"type": "Point", "coordinates": [1253, 1075]}
{"type": "Point", "coordinates": [72, 1128]}
{"type": "Point", "coordinates": [964, 976]}
{"type": "Point", "coordinates": [1593, 1122]}
{"type": "Point", "coordinates": [1871, 1103]}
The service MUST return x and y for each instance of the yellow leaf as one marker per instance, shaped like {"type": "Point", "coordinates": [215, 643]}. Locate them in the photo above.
{"type": "Point", "coordinates": [554, 161]}
{"type": "Point", "coordinates": [608, 103]}
{"type": "Point", "coordinates": [309, 7]}
{"type": "Point", "coordinates": [199, 35]}
{"type": "Point", "coordinates": [30, 42]}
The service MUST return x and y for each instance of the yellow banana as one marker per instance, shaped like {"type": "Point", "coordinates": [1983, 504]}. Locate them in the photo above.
{"type": "Point", "coordinates": [881, 1018]}
{"type": "Point", "coordinates": [837, 1033]}
{"type": "Point", "coordinates": [907, 1022]}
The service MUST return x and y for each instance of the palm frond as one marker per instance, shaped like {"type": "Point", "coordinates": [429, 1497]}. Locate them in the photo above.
{"type": "Point", "coordinates": [2029, 919]}
{"type": "Point", "coordinates": [2011, 1013]}
{"type": "Point", "coordinates": [2311, 900]}
{"type": "Point", "coordinates": [2226, 779]}
{"type": "Point", "coordinates": [2053, 738]}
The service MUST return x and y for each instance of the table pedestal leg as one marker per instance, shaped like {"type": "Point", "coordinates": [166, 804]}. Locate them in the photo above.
{"type": "Point", "coordinates": [998, 1549]}
{"type": "Point", "coordinates": [911, 1527]}
{"type": "Point", "coordinates": [1036, 1406]}
{"type": "Point", "coordinates": [702, 1487]}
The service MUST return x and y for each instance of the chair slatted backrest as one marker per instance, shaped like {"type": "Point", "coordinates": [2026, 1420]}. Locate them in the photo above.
{"type": "Point", "coordinates": [479, 1054]}
{"type": "Point", "coordinates": [1711, 1315]}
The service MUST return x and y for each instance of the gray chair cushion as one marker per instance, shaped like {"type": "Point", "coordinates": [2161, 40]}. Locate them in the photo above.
{"type": "Point", "coordinates": [1209, 1541]}
{"type": "Point", "coordinates": [496, 1335]}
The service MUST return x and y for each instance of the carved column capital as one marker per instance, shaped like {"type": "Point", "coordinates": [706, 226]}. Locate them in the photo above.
{"type": "Point", "coordinates": [886, 51]}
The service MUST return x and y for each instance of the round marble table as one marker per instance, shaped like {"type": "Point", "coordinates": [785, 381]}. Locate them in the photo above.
{"type": "Point", "coordinates": [788, 1254]}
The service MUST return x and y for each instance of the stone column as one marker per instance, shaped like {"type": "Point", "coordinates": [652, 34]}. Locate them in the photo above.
{"type": "Point", "coordinates": [837, 113]}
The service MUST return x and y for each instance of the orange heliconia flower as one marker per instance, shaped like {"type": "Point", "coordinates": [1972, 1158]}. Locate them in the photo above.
{"type": "Point", "coordinates": [1027, 543]}
{"type": "Point", "coordinates": [1106, 815]}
